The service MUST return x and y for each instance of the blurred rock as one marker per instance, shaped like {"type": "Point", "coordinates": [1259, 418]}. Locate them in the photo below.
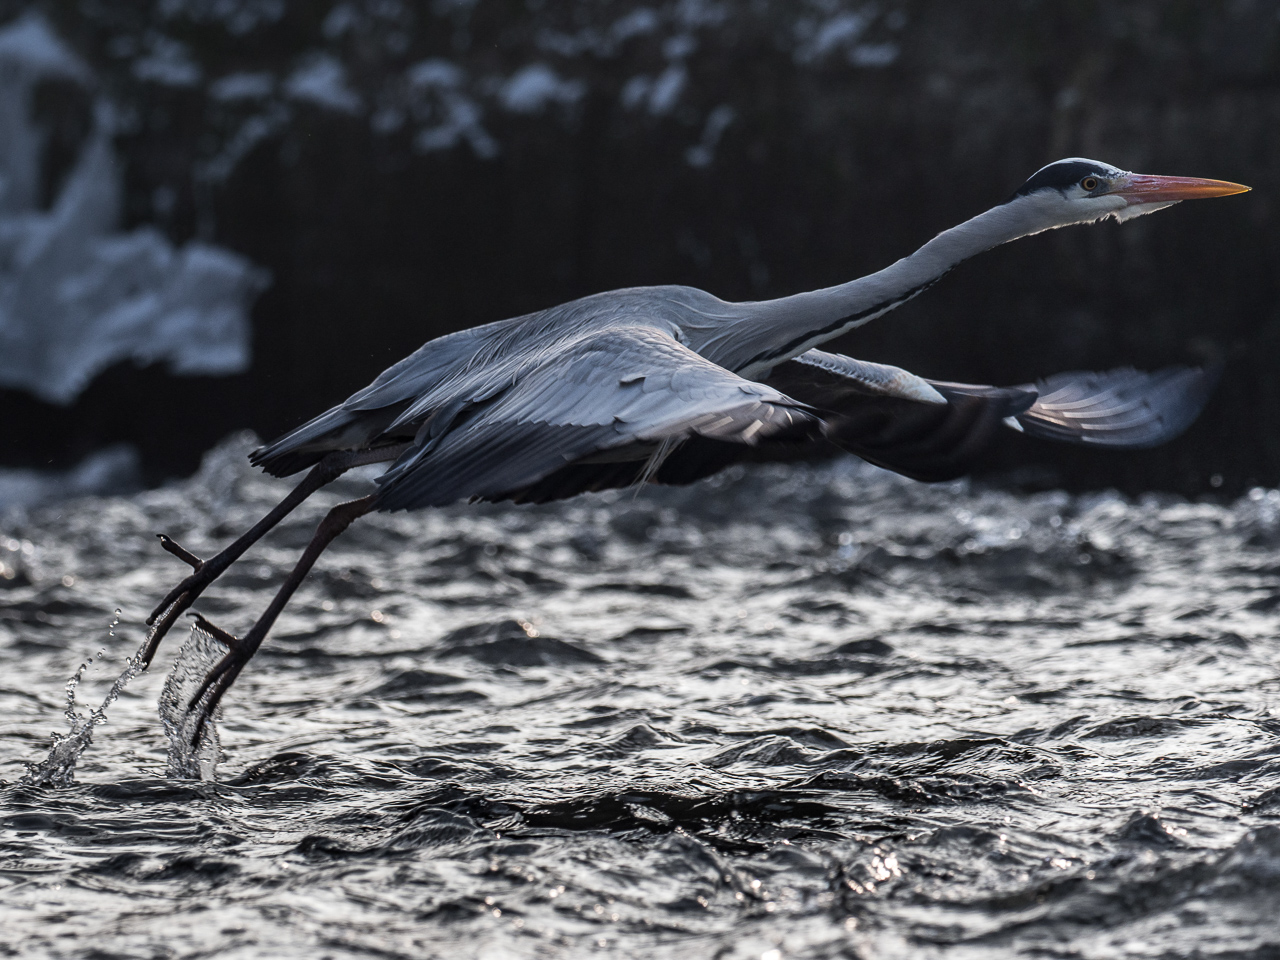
{"type": "Point", "coordinates": [76, 296]}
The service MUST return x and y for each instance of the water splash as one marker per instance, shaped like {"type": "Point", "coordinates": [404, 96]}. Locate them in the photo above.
{"type": "Point", "coordinates": [58, 769]}
{"type": "Point", "coordinates": [179, 717]}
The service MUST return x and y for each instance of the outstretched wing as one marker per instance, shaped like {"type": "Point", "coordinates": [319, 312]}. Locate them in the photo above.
{"type": "Point", "coordinates": [1120, 408]}
{"type": "Point", "coordinates": [880, 413]}
{"type": "Point", "coordinates": [886, 416]}
{"type": "Point", "coordinates": [614, 400]}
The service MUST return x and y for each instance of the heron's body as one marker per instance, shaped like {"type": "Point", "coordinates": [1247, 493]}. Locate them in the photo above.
{"type": "Point", "coordinates": [670, 383]}
{"type": "Point", "coordinates": [490, 409]}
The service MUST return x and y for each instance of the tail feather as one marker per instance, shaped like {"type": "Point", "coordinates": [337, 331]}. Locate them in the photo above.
{"type": "Point", "coordinates": [336, 429]}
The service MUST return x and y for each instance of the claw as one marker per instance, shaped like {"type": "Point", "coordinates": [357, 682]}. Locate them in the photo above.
{"type": "Point", "coordinates": [226, 639]}
{"type": "Point", "coordinates": [235, 651]}
{"type": "Point", "coordinates": [183, 554]}
{"type": "Point", "coordinates": [219, 670]}
{"type": "Point", "coordinates": [194, 580]}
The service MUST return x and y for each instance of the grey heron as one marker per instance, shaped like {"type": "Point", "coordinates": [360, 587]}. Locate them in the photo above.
{"type": "Point", "coordinates": [669, 384]}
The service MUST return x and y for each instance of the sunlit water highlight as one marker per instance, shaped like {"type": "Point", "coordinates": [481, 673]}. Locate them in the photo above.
{"type": "Point", "coordinates": [59, 767]}
{"type": "Point", "coordinates": [819, 711]}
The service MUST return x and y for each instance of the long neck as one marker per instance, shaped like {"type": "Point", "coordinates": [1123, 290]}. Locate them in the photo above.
{"type": "Point", "coordinates": [772, 331]}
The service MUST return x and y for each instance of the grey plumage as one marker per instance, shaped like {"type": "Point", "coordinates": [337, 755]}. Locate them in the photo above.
{"type": "Point", "coordinates": [620, 390]}
{"type": "Point", "coordinates": [669, 384]}
{"type": "Point", "coordinates": [1121, 408]}
{"type": "Point", "coordinates": [493, 411]}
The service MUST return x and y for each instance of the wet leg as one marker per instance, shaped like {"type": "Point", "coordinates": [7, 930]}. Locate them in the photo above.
{"type": "Point", "coordinates": [204, 572]}
{"type": "Point", "coordinates": [241, 649]}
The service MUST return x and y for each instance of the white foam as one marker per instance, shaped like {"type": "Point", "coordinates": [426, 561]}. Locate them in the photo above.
{"type": "Point", "coordinates": [447, 114]}
{"type": "Point", "coordinates": [531, 88]}
{"type": "Point", "coordinates": [169, 64]}
{"type": "Point", "coordinates": [323, 81]}
{"type": "Point", "coordinates": [242, 86]}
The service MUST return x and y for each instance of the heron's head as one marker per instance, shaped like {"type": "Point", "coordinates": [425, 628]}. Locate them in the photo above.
{"type": "Point", "coordinates": [1081, 191]}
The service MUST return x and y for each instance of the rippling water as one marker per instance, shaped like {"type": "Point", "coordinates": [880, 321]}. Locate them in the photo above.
{"type": "Point", "coordinates": [793, 712]}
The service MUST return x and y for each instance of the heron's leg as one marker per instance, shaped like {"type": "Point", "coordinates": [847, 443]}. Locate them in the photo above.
{"type": "Point", "coordinates": [241, 649]}
{"type": "Point", "coordinates": [204, 572]}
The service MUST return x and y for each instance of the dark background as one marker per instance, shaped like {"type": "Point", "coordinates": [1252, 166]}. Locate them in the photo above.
{"type": "Point", "coordinates": [841, 155]}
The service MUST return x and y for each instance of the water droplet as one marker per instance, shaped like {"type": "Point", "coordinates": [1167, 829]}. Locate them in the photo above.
{"type": "Point", "coordinates": [58, 768]}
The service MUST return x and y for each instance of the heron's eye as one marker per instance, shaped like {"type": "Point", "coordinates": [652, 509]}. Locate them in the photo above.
{"type": "Point", "coordinates": [1089, 184]}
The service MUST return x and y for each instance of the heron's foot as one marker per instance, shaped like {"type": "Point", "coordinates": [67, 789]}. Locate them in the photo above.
{"type": "Point", "coordinates": [179, 551]}
{"type": "Point", "coordinates": [178, 600]}
{"type": "Point", "coordinates": [204, 702]}
{"type": "Point", "coordinates": [202, 574]}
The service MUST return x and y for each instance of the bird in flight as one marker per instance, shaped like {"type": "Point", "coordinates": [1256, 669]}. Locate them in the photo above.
{"type": "Point", "coordinates": [670, 384]}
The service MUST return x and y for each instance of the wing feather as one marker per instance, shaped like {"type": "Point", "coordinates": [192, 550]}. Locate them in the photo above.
{"type": "Point", "coordinates": [876, 412]}
{"type": "Point", "coordinates": [619, 391]}
{"type": "Point", "coordinates": [542, 419]}
{"type": "Point", "coordinates": [1123, 408]}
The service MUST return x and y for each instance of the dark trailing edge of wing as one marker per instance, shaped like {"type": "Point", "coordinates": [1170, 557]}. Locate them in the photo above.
{"type": "Point", "coordinates": [695, 458]}
{"type": "Point", "coordinates": [929, 442]}
{"type": "Point", "coordinates": [924, 441]}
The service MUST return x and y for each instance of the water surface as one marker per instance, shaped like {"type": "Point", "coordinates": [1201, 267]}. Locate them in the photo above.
{"type": "Point", "coordinates": [791, 712]}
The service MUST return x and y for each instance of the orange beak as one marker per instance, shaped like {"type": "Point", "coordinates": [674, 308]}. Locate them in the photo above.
{"type": "Point", "coordinates": [1139, 188]}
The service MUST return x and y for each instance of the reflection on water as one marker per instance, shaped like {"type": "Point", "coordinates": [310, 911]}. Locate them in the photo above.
{"type": "Point", "coordinates": [819, 711]}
